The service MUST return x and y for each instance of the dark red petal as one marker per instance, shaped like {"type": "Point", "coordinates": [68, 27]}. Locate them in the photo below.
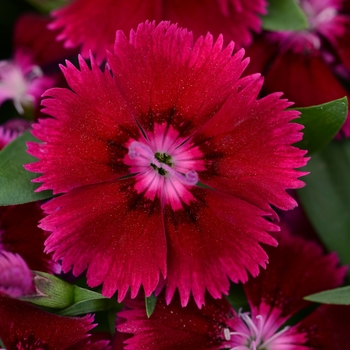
{"type": "Point", "coordinates": [235, 20]}
{"type": "Point", "coordinates": [113, 232]}
{"type": "Point", "coordinates": [305, 79]}
{"type": "Point", "coordinates": [31, 33]}
{"type": "Point", "coordinates": [186, 83]}
{"type": "Point", "coordinates": [297, 268]}
{"type": "Point", "coordinates": [327, 327]}
{"type": "Point", "coordinates": [20, 234]}
{"type": "Point", "coordinates": [84, 144]}
{"type": "Point", "coordinates": [261, 53]}
{"type": "Point", "coordinates": [22, 323]}
{"type": "Point", "coordinates": [248, 149]}
{"type": "Point", "coordinates": [210, 243]}
{"type": "Point", "coordinates": [93, 24]}
{"type": "Point", "coordinates": [173, 327]}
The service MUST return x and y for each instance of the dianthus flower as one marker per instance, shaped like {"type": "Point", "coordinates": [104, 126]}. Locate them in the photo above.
{"type": "Point", "coordinates": [15, 277]}
{"type": "Point", "coordinates": [92, 24]}
{"type": "Point", "coordinates": [168, 164]}
{"type": "Point", "coordinates": [297, 268]}
{"type": "Point", "coordinates": [23, 78]}
{"type": "Point", "coordinates": [22, 81]}
{"type": "Point", "coordinates": [24, 326]}
{"type": "Point", "coordinates": [309, 65]}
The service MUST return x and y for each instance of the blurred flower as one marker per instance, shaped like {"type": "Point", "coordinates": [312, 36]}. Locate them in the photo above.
{"type": "Point", "coordinates": [147, 152]}
{"type": "Point", "coordinates": [22, 81]}
{"type": "Point", "coordinates": [309, 65]}
{"type": "Point", "coordinates": [19, 233]}
{"type": "Point", "coordinates": [297, 268]}
{"type": "Point", "coordinates": [92, 24]}
{"type": "Point", "coordinates": [30, 72]}
{"type": "Point", "coordinates": [15, 277]}
{"type": "Point", "coordinates": [24, 326]}
{"type": "Point", "coordinates": [6, 136]}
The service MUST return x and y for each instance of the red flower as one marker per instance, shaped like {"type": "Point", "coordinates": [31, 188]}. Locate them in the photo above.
{"type": "Point", "coordinates": [148, 151]}
{"type": "Point", "coordinates": [24, 326]}
{"type": "Point", "coordinates": [93, 24]}
{"type": "Point", "coordinates": [297, 268]}
{"type": "Point", "coordinates": [308, 65]}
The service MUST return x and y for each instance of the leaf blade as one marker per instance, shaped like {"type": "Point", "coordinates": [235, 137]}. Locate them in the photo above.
{"type": "Point", "coordinates": [15, 182]}
{"type": "Point", "coordinates": [338, 296]}
{"type": "Point", "coordinates": [150, 303]}
{"type": "Point", "coordinates": [322, 122]}
{"type": "Point", "coordinates": [284, 15]}
{"type": "Point", "coordinates": [326, 196]}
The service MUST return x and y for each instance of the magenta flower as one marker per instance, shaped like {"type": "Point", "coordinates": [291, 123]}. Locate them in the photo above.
{"type": "Point", "coordinates": [6, 136]}
{"type": "Point", "coordinates": [297, 268]}
{"type": "Point", "coordinates": [147, 152]}
{"type": "Point", "coordinates": [15, 277]}
{"type": "Point", "coordinates": [24, 78]}
{"type": "Point", "coordinates": [308, 65]}
{"type": "Point", "coordinates": [24, 326]}
{"type": "Point", "coordinates": [92, 24]}
{"type": "Point", "coordinates": [22, 81]}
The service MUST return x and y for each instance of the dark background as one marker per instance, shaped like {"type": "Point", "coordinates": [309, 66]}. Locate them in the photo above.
{"type": "Point", "coordinates": [9, 11]}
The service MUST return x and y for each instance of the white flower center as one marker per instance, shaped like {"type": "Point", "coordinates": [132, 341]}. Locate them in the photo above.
{"type": "Point", "coordinates": [253, 335]}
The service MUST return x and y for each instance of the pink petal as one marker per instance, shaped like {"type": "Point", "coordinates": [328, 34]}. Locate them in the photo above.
{"type": "Point", "coordinates": [15, 277]}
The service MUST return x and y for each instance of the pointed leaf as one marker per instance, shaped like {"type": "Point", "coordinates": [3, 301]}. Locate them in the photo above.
{"type": "Point", "coordinates": [150, 302]}
{"type": "Point", "coordinates": [46, 6]}
{"type": "Point", "coordinates": [339, 296]}
{"type": "Point", "coordinates": [322, 123]}
{"type": "Point", "coordinates": [89, 306]}
{"type": "Point", "coordinates": [284, 15]}
{"type": "Point", "coordinates": [15, 182]}
{"type": "Point", "coordinates": [326, 196]}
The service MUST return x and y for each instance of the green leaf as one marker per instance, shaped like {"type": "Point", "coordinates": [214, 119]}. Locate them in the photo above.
{"type": "Point", "coordinates": [326, 196]}
{"type": "Point", "coordinates": [150, 304]}
{"type": "Point", "coordinates": [339, 296]}
{"type": "Point", "coordinates": [15, 182]}
{"type": "Point", "coordinates": [322, 123]}
{"type": "Point", "coordinates": [284, 15]}
{"type": "Point", "coordinates": [237, 297]}
{"type": "Point", "coordinates": [88, 306]}
{"type": "Point", "coordinates": [55, 293]}
{"type": "Point", "coordinates": [46, 6]}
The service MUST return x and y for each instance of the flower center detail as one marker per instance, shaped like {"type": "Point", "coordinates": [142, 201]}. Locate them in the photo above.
{"type": "Point", "coordinates": [165, 165]}
{"type": "Point", "coordinates": [254, 334]}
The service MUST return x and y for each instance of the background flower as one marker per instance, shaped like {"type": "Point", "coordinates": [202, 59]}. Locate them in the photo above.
{"type": "Point", "coordinates": [311, 65]}
{"type": "Point", "coordinates": [297, 268]}
{"type": "Point", "coordinates": [92, 25]}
